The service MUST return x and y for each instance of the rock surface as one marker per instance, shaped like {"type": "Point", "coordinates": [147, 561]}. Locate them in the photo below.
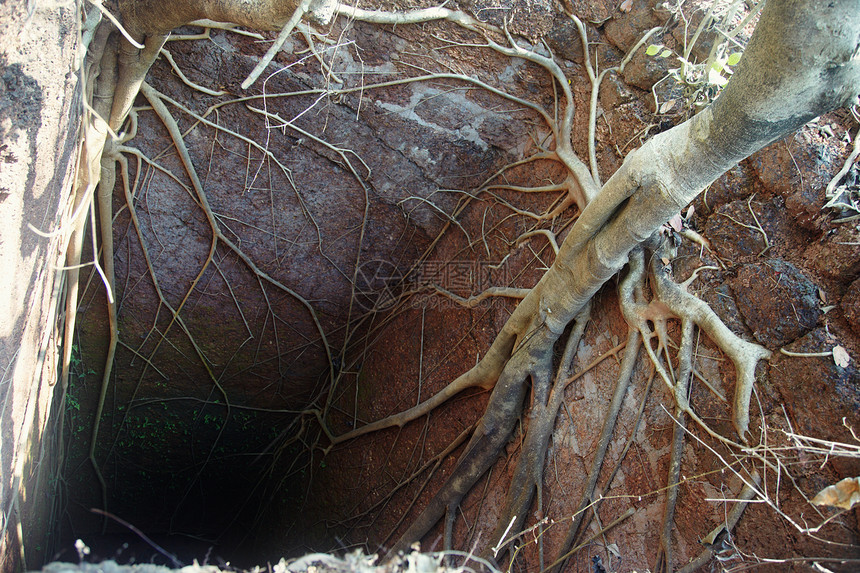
{"type": "Point", "coordinates": [777, 301]}
{"type": "Point", "coordinates": [851, 305]}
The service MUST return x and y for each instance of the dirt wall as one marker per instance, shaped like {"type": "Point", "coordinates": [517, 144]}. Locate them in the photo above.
{"type": "Point", "coordinates": [38, 125]}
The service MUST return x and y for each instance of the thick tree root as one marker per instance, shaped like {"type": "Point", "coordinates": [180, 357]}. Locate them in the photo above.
{"type": "Point", "coordinates": [629, 290]}
{"type": "Point", "coordinates": [532, 358]}
{"type": "Point", "coordinates": [720, 538]}
{"type": "Point", "coordinates": [690, 309]}
{"type": "Point", "coordinates": [528, 472]}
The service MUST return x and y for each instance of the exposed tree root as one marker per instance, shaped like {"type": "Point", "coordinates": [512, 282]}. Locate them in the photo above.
{"type": "Point", "coordinates": [99, 81]}
{"type": "Point", "coordinates": [528, 472]}
{"type": "Point", "coordinates": [532, 357]}
{"type": "Point", "coordinates": [718, 540]}
{"type": "Point", "coordinates": [745, 355]}
{"type": "Point", "coordinates": [475, 300]}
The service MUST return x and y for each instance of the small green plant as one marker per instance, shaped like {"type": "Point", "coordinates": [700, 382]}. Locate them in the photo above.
{"type": "Point", "coordinates": [715, 71]}
{"type": "Point", "coordinates": [76, 366]}
{"type": "Point", "coordinates": [702, 81]}
{"type": "Point", "coordinates": [78, 374]}
{"type": "Point", "coordinates": [72, 403]}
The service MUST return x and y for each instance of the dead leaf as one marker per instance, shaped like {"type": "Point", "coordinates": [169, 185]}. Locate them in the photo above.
{"type": "Point", "coordinates": [844, 494]}
{"type": "Point", "coordinates": [676, 223]}
{"type": "Point", "coordinates": [690, 211]}
{"type": "Point", "coordinates": [840, 356]}
{"type": "Point", "coordinates": [667, 105]}
{"type": "Point", "coordinates": [626, 6]}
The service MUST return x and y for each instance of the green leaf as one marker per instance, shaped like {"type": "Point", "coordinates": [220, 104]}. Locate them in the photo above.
{"type": "Point", "coordinates": [653, 49]}
{"type": "Point", "coordinates": [665, 53]}
{"type": "Point", "coordinates": [734, 59]}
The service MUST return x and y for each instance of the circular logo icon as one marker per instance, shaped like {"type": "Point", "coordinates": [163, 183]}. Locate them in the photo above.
{"type": "Point", "coordinates": [377, 284]}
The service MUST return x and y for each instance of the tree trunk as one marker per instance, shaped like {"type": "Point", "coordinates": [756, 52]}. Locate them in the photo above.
{"type": "Point", "coordinates": [780, 84]}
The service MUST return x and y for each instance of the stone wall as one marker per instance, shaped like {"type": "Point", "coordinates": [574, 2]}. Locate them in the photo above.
{"type": "Point", "coordinates": [38, 123]}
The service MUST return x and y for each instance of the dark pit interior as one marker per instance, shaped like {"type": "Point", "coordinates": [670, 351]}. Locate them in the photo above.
{"type": "Point", "coordinates": [200, 443]}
